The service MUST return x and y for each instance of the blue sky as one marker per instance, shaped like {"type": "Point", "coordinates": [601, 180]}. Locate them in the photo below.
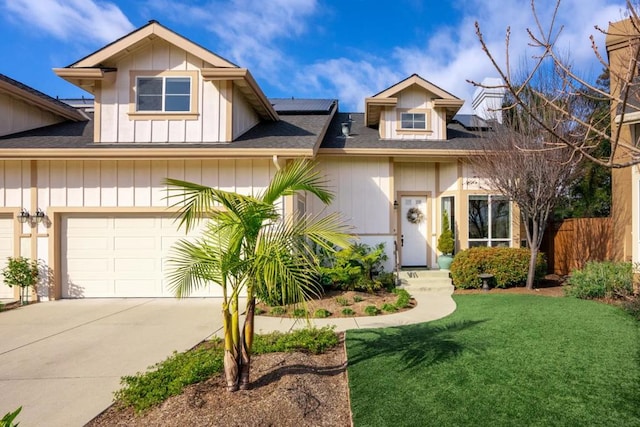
{"type": "Point", "coordinates": [345, 49]}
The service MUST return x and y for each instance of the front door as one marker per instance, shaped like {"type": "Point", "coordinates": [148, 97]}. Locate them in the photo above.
{"type": "Point", "coordinates": [413, 220]}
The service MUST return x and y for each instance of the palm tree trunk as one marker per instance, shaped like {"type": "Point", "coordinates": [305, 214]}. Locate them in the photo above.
{"type": "Point", "coordinates": [247, 342]}
{"type": "Point", "coordinates": [230, 350]}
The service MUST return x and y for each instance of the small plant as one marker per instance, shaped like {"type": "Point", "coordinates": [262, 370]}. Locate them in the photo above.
{"type": "Point", "coordinates": [22, 272]}
{"type": "Point", "coordinates": [601, 279]}
{"type": "Point", "coordinates": [446, 244]}
{"type": "Point", "coordinates": [371, 310]}
{"type": "Point", "coordinates": [258, 311]}
{"type": "Point", "coordinates": [312, 340]}
{"type": "Point", "coordinates": [348, 312]}
{"type": "Point", "coordinates": [389, 308]}
{"type": "Point", "coordinates": [357, 267]}
{"type": "Point", "coordinates": [300, 312]}
{"type": "Point", "coordinates": [9, 417]}
{"type": "Point", "coordinates": [278, 311]}
{"type": "Point", "coordinates": [343, 301]}
{"type": "Point", "coordinates": [357, 298]}
{"type": "Point", "coordinates": [404, 298]}
{"type": "Point", "coordinates": [168, 378]}
{"type": "Point", "coordinates": [322, 313]}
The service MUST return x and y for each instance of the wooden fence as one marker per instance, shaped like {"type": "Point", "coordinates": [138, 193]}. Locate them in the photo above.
{"type": "Point", "coordinates": [569, 244]}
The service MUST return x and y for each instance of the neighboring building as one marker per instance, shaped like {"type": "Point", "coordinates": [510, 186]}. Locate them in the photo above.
{"type": "Point", "coordinates": [621, 40]}
{"type": "Point", "coordinates": [167, 107]}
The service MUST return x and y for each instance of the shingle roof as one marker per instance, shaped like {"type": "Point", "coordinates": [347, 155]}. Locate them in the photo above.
{"type": "Point", "coordinates": [302, 106]}
{"type": "Point", "coordinates": [361, 136]}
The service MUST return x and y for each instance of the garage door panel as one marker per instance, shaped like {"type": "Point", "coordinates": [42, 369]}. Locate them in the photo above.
{"type": "Point", "coordinates": [128, 256]}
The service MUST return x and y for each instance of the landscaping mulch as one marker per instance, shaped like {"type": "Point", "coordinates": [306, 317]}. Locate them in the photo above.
{"type": "Point", "coordinates": [287, 389]}
{"type": "Point", "coordinates": [550, 286]}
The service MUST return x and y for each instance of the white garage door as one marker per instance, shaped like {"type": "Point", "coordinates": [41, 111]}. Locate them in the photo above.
{"type": "Point", "coordinates": [118, 256]}
{"type": "Point", "coordinates": [6, 250]}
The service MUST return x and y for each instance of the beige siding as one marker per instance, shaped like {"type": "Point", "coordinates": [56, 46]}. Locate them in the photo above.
{"type": "Point", "coordinates": [448, 176]}
{"type": "Point", "coordinates": [18, 116]}
{"type": "Point", "coordinates": [244, 117]}
{"type": "Point", "coordinates": [408, 99]}
{"type": "Point", "coordinates": [128, 183]}
{"type": "Point", "coordinates": [116, 124]}
{"type": "Point", "coordinates": [415, 177]}
{"type": "Point", "coordinates": [363, 193]}
{"type": "Point", "coordinates": [15, 182]}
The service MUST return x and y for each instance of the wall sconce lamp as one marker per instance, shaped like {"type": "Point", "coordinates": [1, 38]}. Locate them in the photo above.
{"type": "Point", "coordinates": [395, 204]}
{"type": "Point", "coordinates": [39, 216]}
{"type": "Point", "coordinates": [23, 216]}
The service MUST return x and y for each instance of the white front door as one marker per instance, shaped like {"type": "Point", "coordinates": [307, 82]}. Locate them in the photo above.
{"type": "Point", "coordinates": [413, 219]}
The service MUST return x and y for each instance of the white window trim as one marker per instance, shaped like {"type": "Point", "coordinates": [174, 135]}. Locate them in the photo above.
{"type": "Point", "coordinates": [193, 112]}
{"type": "Point", "coordinates": [489, 240]}
{"type": "Point", "coordinates": [427, 118]}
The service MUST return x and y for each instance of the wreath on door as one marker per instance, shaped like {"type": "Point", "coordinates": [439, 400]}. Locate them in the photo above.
{"type": "Point", "coordinates": [415, 216]}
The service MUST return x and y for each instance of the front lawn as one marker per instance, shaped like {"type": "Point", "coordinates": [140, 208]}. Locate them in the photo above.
{"type": "Point", "coordinates": [500, 360]}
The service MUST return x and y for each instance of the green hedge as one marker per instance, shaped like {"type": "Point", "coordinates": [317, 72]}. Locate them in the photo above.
{"type": "Point", "coordinates": [599, 279]}
{"type": "Point", "coordinates": [509, 267]}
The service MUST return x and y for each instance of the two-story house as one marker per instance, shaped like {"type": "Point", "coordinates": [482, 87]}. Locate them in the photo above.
{"type": "Point", "coordinates": [83, 191]}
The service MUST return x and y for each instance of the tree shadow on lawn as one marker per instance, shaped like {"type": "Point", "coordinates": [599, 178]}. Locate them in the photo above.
{"type": "Point", "coordinates": [422, 345]}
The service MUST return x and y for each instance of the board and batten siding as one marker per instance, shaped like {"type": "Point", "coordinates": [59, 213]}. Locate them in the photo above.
{"type": "Point", "coordinates": [363, 192]}
{"type": "Point", "coordinates": [17, 116]}
{"type": "Point", "coordinates": [213, 98]}
{"type": "Point", "coordinates": [138, 183]}
{"type": "Point", "coordinates": [412, 98]}
{"type": "Point", "coordinates": [15, 184]}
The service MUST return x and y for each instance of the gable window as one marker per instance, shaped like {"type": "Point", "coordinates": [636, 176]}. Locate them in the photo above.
{"type": "Point", "coordinates": [489, 221]}
{"type": "Point", "coordinates": [163, 93]}
{"type": "Point", "coordinates": [413, 121]}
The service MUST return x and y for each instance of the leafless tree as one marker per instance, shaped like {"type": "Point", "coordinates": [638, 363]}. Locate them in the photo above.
{"type": "Point", "coordinates": [521, 161]}
{"type": "Point", "coordinates": [575, 127]}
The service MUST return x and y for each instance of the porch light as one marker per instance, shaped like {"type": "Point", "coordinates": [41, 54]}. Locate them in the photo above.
{"type": "Point", "coordinates": [39, 216]}
{"type": "Point", "coordinates": [23, 216]}
{"type": "Point", "coordinates": [395, 204]}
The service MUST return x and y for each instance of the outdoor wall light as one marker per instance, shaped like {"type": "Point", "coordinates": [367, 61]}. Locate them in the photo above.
{"type": "Point", "coordinates": [395, 204]}
{"type": "Point", "coordinates": [39, 216]}
{"type": "Point", "coordinates": [23, 216]}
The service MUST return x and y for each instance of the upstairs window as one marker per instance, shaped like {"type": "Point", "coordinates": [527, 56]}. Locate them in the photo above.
{"type": "Point", "coordinates": [163, 94]}
{"type": "Point", "coordinates": [413, 121]}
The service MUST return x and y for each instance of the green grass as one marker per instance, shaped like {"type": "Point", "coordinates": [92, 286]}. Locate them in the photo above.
{"type": "Point", "coordinates": [500, 360]}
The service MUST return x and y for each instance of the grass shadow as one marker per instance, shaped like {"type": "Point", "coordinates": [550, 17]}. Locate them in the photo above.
{"type": "Point", "coordinates": [416, 345]}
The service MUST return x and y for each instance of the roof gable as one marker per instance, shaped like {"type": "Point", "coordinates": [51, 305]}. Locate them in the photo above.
{"type": "Point", "coordinates": [141, 36]}
{"type": "Point", "coordinates": [387, 97]}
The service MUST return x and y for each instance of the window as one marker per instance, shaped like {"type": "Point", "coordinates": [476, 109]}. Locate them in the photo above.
{"type": "Point", "coordinates": [163, 94]}
{"type": "Point", "coordinates": [413, 121]}
{"type": "Point", "coordinates": [489, 221]}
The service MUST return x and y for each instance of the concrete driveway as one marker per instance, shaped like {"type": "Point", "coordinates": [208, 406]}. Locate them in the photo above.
{"type": "Point", "coordinates": [61, 361]}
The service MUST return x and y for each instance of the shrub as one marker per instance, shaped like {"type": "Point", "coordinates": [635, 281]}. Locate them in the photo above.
{"type": "Point", "coordinates": [601, 279]}
{"type": "Point", "coordinates": [168, 378]}
{"type": "Point", "coordinates": [313, 340]}
{"type": "Point", "coordinates": [342, 301]}
{"type": "Point", "coordinates": [404, 298]}
{"type": "Point", "coordinates": [348, 312]}
{"type": "Point", "coordinates": [509, 266]}
{"type": "Point", "coordinates": [278, 311]}
{"type": "Point", "coordinates": [446, 243]}
{"type": "Point", "coordinates": [300, 312]}
{"type": "Point", "coordinates": [21, 272]}
{"type": "Point", "coordinates": [389, 308]}
{"type": "Point", "coordinates": [258, 311]}
{"type": "Point", "coordinates": [322, 313]}
{"type": "Point", "coordinates": [357, 298]}
{"type": "Point", "coordinates": [632, 307]}
{"type": "Point", "coordinates": [371, 310]}
{"type": "Point", "coordinates": [357, 267]}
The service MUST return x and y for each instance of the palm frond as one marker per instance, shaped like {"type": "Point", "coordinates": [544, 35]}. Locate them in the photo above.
{"type": "Point", "coordinates": [299, 175]}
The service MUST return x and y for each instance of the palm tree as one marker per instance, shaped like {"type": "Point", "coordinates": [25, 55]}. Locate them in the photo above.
{"type": "Point", "coordinates": [246, 245]}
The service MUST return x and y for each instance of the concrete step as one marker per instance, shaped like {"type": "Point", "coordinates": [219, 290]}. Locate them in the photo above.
{"type": "Point", "coordinates": [427, 287]}
{"type": "Point", "coordinates": [423, 274]}
{"type": "Point", "coordinates": [426, 281]}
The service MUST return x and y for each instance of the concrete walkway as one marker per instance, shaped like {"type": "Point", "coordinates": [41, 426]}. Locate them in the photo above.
{"type": "Point", "coordinates": [63, 360]}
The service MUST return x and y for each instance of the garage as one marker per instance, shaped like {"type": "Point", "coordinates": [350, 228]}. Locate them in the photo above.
{"type": "Point", "coordinates": [6, 250]}
{"type": "Point", "coordinates": [116, 256]}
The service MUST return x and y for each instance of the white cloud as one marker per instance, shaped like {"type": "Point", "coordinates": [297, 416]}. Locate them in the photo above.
{"type": "Point", "coordinates": [251, 34]}
{"type": "Point", "coordinates": [452, 55]}
{"type": "Point", "coordinates": [72, 19]}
